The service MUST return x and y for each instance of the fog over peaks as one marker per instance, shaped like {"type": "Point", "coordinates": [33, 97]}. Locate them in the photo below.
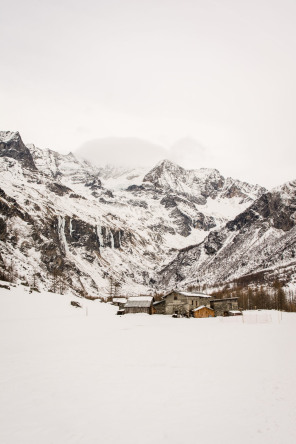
{"type": "Point", "coordinates": [134, 152]}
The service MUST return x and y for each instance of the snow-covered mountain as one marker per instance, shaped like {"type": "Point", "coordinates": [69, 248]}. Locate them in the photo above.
{"type": "Point", "coordinates": [200, 184]}
{"type": "Point", "coordinates": [258, 243]}
{"type": "Point", "coordinates": [61, 216]}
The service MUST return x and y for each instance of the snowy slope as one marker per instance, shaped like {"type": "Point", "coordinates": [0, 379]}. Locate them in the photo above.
{"type": "Point", "coordinates": [117, 178]}
{"type": "Point", "coordinates": [68, 378]}
{"type": "Point", "coordinates": [67, 167]}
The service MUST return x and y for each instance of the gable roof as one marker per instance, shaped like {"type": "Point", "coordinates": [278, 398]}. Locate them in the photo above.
{"type": "Point", "coordinates": [201, 307]}
{"type": "Point", "coordinates": [122, 300]}
{"type": "Point", "coordinates": [139, 301]}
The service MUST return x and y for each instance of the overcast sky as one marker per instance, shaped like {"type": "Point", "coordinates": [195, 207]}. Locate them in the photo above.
{"type": "Point", "coordinates": [210, 83]}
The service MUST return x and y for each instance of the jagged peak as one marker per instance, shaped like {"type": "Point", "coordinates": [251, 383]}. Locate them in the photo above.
{"type": "Point", "coordinates": [166, 163]}
{"type": "Point", "coordinates": [287, 186]}
{"type": "Point", "coordinates": [7, 136]}
{"type": "Point", "coordinates": [12, 146]}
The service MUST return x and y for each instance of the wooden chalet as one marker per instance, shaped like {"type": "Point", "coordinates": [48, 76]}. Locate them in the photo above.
{"type": "Point", "coordinates": [203, 312]}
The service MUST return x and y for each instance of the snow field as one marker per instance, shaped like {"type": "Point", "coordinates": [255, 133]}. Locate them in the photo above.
{"type": "Point", "coordinates": [70, 378]}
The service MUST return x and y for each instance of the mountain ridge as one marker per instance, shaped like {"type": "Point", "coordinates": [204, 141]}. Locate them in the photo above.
{"type": "Point", "coordinates": [260, 238]}
{"type": "Point", "coordinates": [61, 217]}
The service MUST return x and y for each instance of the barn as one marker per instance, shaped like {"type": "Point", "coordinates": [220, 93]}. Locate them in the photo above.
{"type": "Point", "coordinates": [203, 312]}
{"type": "Point", "coordinates": [139, 304]}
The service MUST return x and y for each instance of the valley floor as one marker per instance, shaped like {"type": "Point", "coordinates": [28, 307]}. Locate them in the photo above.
{"type": "Point", "coordinates": [70, 378]}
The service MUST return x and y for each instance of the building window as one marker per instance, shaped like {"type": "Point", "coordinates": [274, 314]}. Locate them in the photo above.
{"type": "Point", "coordinates": [175, 298]}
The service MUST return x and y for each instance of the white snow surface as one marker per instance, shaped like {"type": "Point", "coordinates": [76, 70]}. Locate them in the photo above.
{"type": "Point", "coordinates": [68, 378]}
{"type": "Point", "coordinates": [115, 178]}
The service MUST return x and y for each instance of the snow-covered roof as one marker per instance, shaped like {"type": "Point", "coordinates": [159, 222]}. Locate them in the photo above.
{"type": "Point", "coordinates": [198, 295]}
{"type": "Point", "coordinates": [202, 306]}
{"type": "Point", "coordinates": [139, 301]}
{"type": "Point", "coordinates": [158, 302]}
{"type": "Point", "coordinates": [122, 300]}
{"type": "Point", "coordinates": [140, 298]}
{"type": "Point", "coordinates": [235, 311]}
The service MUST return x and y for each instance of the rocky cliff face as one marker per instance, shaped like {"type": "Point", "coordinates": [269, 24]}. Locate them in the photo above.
{"type": "Point", "coordinates": [262, 237]}
{"type": "Point", "coordinates": [199, 185]}
{"type": "Point", "coordinates": [195, 199]}
{"type": "Point", "coordinates": [12, 146]}
{"type": "Point", "coordinates": [61, 216]}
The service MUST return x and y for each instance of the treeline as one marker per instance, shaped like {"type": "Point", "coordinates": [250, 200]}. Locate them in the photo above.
{"type": "Point", "coordinates": [259, 297]}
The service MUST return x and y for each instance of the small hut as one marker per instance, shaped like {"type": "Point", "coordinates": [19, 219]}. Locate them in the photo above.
{"type": "Point", "coordinates": [203, 312]}
{"type": "Point", "coordinates": [235, 313]}
{"type": "Point", "coordinates": [120, 302]}
{"type": "Point", "coordinates": [139, 304]}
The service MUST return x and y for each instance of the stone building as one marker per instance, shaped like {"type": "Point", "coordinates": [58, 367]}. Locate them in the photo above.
{"type": "Point", "coordinates": [139, 304]}
{"type": "Point", "coordinates": [183, 303]}
{"type": "Point", "coordinates": [222, 307]}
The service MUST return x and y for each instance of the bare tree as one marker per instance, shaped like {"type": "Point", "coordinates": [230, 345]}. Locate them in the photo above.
{"type": "Point", "coordinates": [117, 286]}
{"type": "Point", "coordinates": [11, 271]}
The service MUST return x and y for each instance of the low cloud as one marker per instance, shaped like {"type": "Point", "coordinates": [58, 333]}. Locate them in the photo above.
{"type": "Point", "coordinates": [186, 152]}
{"type": "Point", "coordinates": [122, 152]}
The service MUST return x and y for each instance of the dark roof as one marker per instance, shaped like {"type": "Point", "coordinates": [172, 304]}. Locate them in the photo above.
{"type": "Point", "coordinates": [159, 302]}
{"type": "Point", "coordinates": [225, 299]}
{"type": "Point", "coordinates": [188, 294]}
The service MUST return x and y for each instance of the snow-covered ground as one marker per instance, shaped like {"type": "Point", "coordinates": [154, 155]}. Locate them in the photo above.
{"type": "Point", "coordinates": [71, 375]}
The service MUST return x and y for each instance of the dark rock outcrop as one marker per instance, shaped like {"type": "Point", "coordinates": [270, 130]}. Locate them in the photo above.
{"type": "Point", "coordinates": [11, 145]}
